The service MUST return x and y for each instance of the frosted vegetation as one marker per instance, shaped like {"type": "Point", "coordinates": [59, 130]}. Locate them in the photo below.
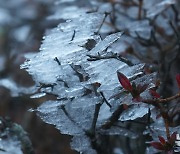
{"type": "Point", "coordinates": [78, 63]}
{"type": "Point", "coordinates": [13, 139]}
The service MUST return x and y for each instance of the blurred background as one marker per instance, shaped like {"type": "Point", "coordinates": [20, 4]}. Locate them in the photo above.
{"type": "Point", "coordinates": [22, 26]}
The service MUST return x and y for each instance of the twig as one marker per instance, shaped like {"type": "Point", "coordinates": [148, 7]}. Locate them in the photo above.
{"type": "Point", "coordinates": [57, 60]}
{"type": "Point", "coordinates": [175, 12]}
{"type": "Point", "coordinates": [155, 41]}
{"type": "Point", "coordinates": [158, 101]}
{"type": "Point", "coordinates": [43, 85]}
{"type": "Point", "coordinates": [140, 9]}
{"type": "Point", "coordinates": [106, 101]}
{"type": "Point", "coordinates": [70, 118]}
{"type": "Point", "coordinates": [116, 56]}
{"type": "Point", "coordinates": [166, 122]}
{"type": "Point", "coordinates": [106, 14]}
{"type": "Point", "coordinates": [176, 33]}
{"type": "Point", "coordinates": [113, 13]}
{"type": "Point", "coordinates": [96, 113]}
{"type": "Point", "coordinates": [74, 33]}
{"type": "Point", "coordinates": [65, 83]}
{"type": "Point", "coordinates": [114, 118]}
{"type": "Point", "coordinates": [80, 72]}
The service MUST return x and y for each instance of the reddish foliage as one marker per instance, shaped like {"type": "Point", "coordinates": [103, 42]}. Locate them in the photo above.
{"type": "Point", "coordinates": [165, 145]}
{"type": "Point", "coordinates": [173, 138]}
{"type": "Point", "coordinates": [124, 82]}
{"type": "Point", "coordinates": [162, 140]}
{"type": "Point", "coordinates": [157, 145]}
{"type": "Point", "coordinates": [178, 79]}
{"type": "Point", "coordinates": [154, 93]}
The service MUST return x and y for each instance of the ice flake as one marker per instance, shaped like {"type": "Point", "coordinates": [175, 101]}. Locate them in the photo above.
{"type": "Point", "coordinates": [82, 144]}
{"type": "Point", "coordinates": [120, 131]}
{"type": "Point", "coordinates": [68, 13]}
{"type": "Point", "coordinates": [158, 8]}
{"type": "Point", "coordinates": [134, 112]}
{"type": "Point", "coordinates": [103, 45]}
{"type": "Point", "coordinates": [52, 113]}
{"type": "Point", "coordinates": [39, 95]}
{"type": "Point", "coordinates": [59, 44]}
{"type": "Point", "coordinates": [10, 146]}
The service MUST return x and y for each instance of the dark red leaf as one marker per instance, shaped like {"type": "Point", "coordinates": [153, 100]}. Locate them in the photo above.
{"type": "Point", "coordinates": [173, 138]}
{"type": "Point", "coordinates": [125, 106]}
{"type": "Point", "coordinates": [162, 140]}
{"type": "Point", "coordinates": [157, 145]}
{"type": "Point", "coordinates": [124, 82]}
{"type": "Point", "coordinates": [142, 88]}
{"type": "Point", "coordinates": [137, 99]}
{"type": "Point", "coordinates": [178, 79]}
{"type": "Point", "coordinates": [154, 93]}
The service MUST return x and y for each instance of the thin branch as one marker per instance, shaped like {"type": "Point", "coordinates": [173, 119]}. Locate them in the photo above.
{"type": "Point", "coordinates": [65, 83]}
{"type": "Point", "coordinates": [114, 118]}
{"type": "Point", "coordinates": [113, 55]}
{"type": "Point", "coordinates": [138, 122]}
{"type": "Point", "coordinates": [140, 9]}
{"type": "Point", "coordinates": [106, 101]}
{"type": "Point", "coordinates": [70, 118]}
{"type": "Point", "coordinates": [176, 33]}
{"type": "Point", "coordinates": [113, 14]}
{"type": "Point", "coordinates": [80, 72]}
{"type": "Point", "coordinates": [43, 85]}
{"type": "Point", "coordinates": [175, 12]}
{"type": "Point", "coordinates": [158, 101]}
{"type": "Point", "coordinates": [106, 14]}
{"type": "Point", "coordinates": [96, 113]}
{"type": "Point", "coordinates": [73, 36]}
{"type": "Point", "coordinates": [57, 60]}
{"type": "Point", "coordinates": [166, 122]}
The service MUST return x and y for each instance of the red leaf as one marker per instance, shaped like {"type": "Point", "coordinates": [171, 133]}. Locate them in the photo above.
{"type": "Point", "coordinates": [124, 82]}
{"type": "Point", "coordinates": [154, 93]}
{"type": "Point", "coordinates": [162, 140]}
{"type": "Point", "coordinates": [142, 88]}
{"type": "Point", "coordinates": [137, 99]}
{"type": "Point", "coordinates": [178, 79]}
{"type": "Point", "coordinates": [157, 145]}
{"type": "Point", "coordinates": [173, 138]}
{"type": "Point", "coordinates": [125, 106]}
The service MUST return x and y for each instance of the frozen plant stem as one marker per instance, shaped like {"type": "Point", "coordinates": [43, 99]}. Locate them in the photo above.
{"type": "Point", "coordinates": [105, 100]}
{"type": "Point", "coordinates": [96, 113]}
{"type": "Point", "coordinates": [140, 9]}
{"type": "Point", "coordinates": [158, 104]}
{"type": "Point", "coordinates": [113, 55]}
{"type": "Point", "coordinates": [156, 101]}
{"type": "Point", "coordinates": [167, 128]}
{"type": "Point", "coordinates": [69, 117]}
{"type": "Point", "coordinates": [106, 14]}
{"type": "Point", "coordinates": [57, 60]}
{"type": "Point", "coordinates": [73, 36]}
{"type": "Point", "coordinates": [114, 118]}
